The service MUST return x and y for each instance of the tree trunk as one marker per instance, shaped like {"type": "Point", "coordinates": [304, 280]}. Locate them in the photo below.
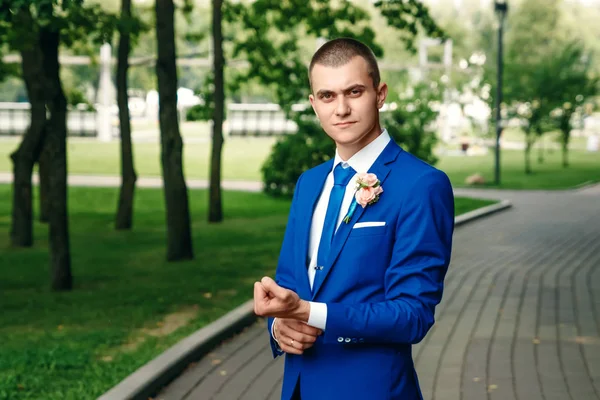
{"type": "Point", "coordinates": [215, 213]}
{"type": "Point", "coordinates": [43, 174]}
{"type": "Point", "coordinates": [24, 158]}
{"type": "Point", "coordinates": [541, 148]}
{"type": "Point", "coordinates": [528, 145]}
{"type": "Point", "coordinates": [55, 147]}
{"type": "Point", "coordinates": [179, 238]}
{"type": "Point", "coordinates": [566, 136]}
{"type": "Point", "coordinates": [565, 153]}
{"type": "Point", "coordinates": [128, 176]}
{"type": "Point", "coordinates": [541, 153]}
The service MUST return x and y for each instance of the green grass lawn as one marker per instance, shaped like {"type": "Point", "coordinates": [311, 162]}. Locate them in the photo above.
{"type": "Point", "coordinates": [464, 204]}
{"type": "Point", "coordinates": [549, 139]}
{"type": "Point", "coordinates": [585, 167]}
{"type": "Point", "coordinates": [243, 157]}
{"type": "Point", "coordinates": [128, 304]}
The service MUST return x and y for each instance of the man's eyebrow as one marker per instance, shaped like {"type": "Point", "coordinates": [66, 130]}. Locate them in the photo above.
{"type": "Point", "coordinates": [348, 89]}
{"type": "Point", "coordinates": [353, 87]}
{"type": "Point", "coordinates": [323, 92]}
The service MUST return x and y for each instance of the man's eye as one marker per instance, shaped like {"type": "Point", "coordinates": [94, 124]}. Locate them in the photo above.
{"type": "Point", "coordinates": [355, 92]}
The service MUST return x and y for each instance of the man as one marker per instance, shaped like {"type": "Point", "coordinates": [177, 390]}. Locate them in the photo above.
{"type": "Point", "coordinates": [364, 256]}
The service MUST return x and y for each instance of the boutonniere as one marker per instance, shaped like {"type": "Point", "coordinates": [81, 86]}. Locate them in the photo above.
{"type": "Point", "coordinates": [368, 190]}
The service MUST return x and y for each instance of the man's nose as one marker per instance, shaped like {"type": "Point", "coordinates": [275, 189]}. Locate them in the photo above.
{"type": "Point", "coordinates": [343, 108]}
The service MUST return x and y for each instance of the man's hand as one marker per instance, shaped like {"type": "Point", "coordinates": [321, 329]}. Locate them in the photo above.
{"type": "Point", "coordinates": [272, 300]}
{"type": "Point", "coordinates": [294, 336]}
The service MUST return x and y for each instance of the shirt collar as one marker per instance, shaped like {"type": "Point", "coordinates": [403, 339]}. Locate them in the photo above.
{"type": "Point", "coordinates": [365, 157]}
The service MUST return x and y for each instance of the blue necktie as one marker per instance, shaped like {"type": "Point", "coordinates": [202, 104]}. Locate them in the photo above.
{"type": "Point", "coordinates": [341, 177]}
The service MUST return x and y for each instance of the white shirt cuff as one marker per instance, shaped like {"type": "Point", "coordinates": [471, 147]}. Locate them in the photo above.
{"type": "Point", "coordinates": [273, 335]}
{"type": "Point", "coordinates": [317, 316]}
{"type": "Point", "coordinates": [273, 330]}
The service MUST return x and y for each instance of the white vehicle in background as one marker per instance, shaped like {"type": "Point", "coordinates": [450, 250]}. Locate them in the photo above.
{"type": "Point", "coordinates": [136, 103]}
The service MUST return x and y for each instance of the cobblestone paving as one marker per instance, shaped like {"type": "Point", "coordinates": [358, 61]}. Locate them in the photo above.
{"type": "Point", "coordinates": [520, 316]}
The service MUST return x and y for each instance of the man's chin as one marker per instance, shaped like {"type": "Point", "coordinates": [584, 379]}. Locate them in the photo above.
{"type": "Point", "coordinates": [344, 136]}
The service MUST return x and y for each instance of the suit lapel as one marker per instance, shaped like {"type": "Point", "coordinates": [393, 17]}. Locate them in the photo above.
{"type": "Point", "coordinates": [312, 188]}
{"type": "Point", "coordinates": [380, 169]}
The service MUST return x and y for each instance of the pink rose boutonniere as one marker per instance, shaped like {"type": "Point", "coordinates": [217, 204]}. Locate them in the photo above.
{"type": "Point", "coordinates": [368, 190]}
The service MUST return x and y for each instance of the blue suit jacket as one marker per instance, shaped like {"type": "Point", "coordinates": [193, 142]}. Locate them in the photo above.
{"type": "Point", "coordinates": [381, 284]}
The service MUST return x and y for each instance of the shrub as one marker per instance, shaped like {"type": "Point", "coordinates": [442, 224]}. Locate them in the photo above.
{"type": "Point", "coordinates": [294, 154]}
{"type": "Point", "coordinates": [412, 123]}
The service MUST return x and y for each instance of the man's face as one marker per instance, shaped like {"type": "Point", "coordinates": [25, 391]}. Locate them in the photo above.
{"type": "Point", "coordinates": [346, 102]}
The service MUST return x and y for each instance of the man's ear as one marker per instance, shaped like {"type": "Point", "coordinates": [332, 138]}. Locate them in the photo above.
{"type": "Point", "coordinates": [382, 93]}
{"type": "Point", "coordinates": [311, 98]}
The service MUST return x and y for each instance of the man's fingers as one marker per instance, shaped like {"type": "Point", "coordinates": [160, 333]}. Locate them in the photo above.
{"type": "Point", "coordinates": [291, 338]}
{"type": "Point", "coordinates": [284, 330]}
{"type": "Point", "coordinates": [302, 327]}
{"type": "Point", "coordinates": [307, 329]}
{"type": "Point", "coordinates": [302, 338]}
{"type": "Point", "coordinates": [297, 335]}
{"type": "Point", "coordinates": [292, 350]}
{"type": "Point", "coordinates": [259, 291]}
{"type": "Point", "coordinates": [289, 345]}
{"type": "Point", "coordinates": [273, 288]}
{"type": "Point", "coordinates": [259, 296]}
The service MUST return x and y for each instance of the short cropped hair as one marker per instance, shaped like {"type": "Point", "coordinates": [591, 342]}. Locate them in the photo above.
{"type": "Point", "coordinates": [338, 52]}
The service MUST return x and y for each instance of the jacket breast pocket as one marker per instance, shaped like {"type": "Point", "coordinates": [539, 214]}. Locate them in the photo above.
{"type": "Point", "coordinates": [369, 231]}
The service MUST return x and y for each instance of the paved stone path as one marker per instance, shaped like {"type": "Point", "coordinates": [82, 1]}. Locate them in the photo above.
{"type": "Point", "coordinates": [520, 316]}
{"type": "Point", "coordinates": [144, 182]}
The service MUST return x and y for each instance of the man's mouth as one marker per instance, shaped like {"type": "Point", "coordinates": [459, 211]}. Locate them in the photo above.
{"type": "Point", "coordinates": [344, 124]}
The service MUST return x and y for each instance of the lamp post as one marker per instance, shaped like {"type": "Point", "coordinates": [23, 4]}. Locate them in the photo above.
{"type": "Point", "coordinates": [501, 7]}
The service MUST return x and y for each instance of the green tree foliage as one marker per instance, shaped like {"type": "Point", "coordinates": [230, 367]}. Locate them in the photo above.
{"type": "Point", "coordinates": [575, 82]}
{"type": "Point", "coordinates": [409, 18]}
{"type": "Point", "coordinates": [269, 39]}
{"type": "Point", "coordinates": [412, 123]}
{"type": "Point", "coordinates": [536, 39]}
{"type": "Point", "coordinates": [205, 110]}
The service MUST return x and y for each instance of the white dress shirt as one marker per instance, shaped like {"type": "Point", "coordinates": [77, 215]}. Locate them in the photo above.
{"type": "Point", "coordinates": [361, 162]}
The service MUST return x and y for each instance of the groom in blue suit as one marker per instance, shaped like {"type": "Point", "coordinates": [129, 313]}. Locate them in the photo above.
{"type": "Point", "coordinates": [366, 248]}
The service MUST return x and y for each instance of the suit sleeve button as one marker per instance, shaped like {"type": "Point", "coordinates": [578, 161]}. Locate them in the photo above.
{"type": "Point", "coordinates": [348, 340]}
{"type": "Point", "coordinates": [340, 339]}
